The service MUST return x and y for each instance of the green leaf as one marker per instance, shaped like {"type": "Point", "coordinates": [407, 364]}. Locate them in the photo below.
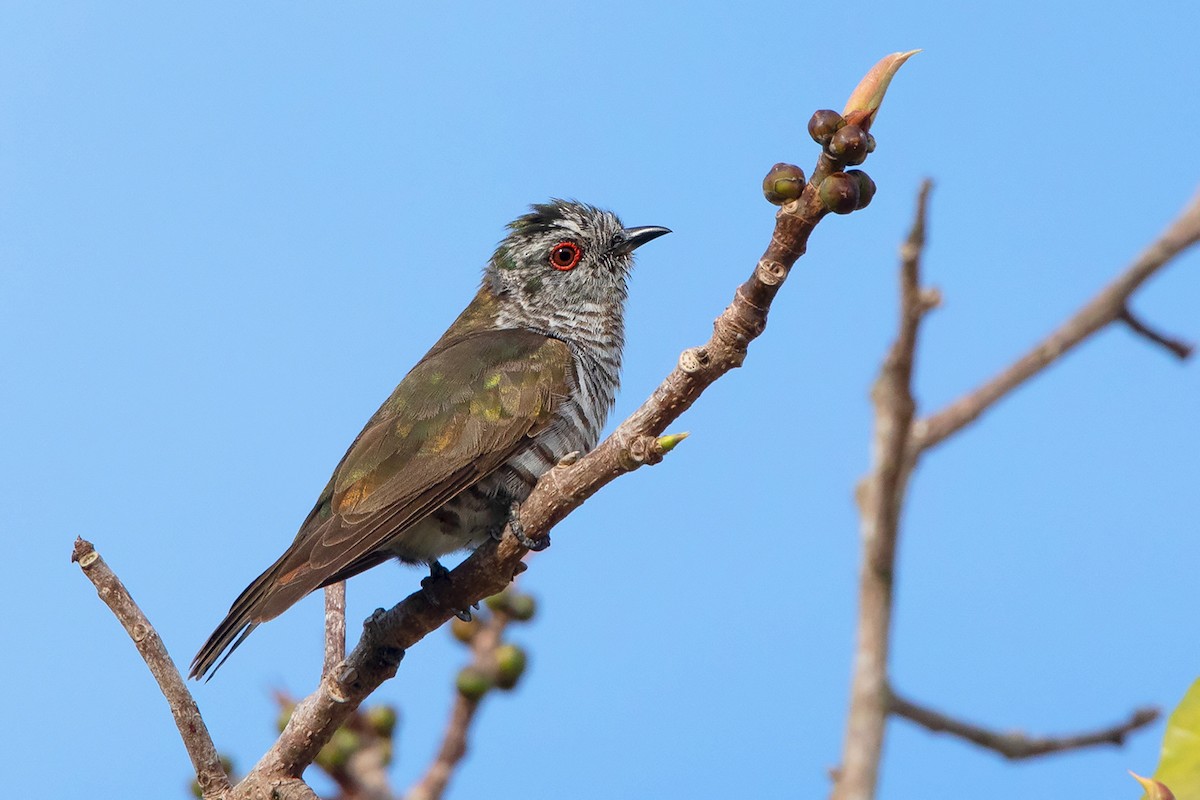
{"type": "Point", "coordinates": [1179, 764]}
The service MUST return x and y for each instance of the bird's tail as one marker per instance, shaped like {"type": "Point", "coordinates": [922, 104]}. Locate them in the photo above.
{"type": "Point", "coordinates": [244, 616]}
{"type": "Point", "coordinates": [269, 595]}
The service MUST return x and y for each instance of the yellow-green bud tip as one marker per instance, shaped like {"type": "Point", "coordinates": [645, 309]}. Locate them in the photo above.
{"type": "Point", "coordinates": [668, 442]}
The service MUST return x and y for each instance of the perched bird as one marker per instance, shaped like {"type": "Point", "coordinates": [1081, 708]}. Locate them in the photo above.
{"type": "Point", "coordinates": [526, 375]}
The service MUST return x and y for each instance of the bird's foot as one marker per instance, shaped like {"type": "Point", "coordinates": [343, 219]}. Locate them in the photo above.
{"type": "Point", "coordinates": [514, 522]}
{"type": "Point", "coordinates": [439, 574]}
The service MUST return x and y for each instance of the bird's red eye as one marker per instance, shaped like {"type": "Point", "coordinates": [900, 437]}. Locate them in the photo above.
{"type": "Point", "coordinates": [565, 255]}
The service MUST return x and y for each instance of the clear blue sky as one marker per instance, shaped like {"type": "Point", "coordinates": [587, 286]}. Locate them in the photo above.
{"type": "Point", "coordinates": [226, 232]}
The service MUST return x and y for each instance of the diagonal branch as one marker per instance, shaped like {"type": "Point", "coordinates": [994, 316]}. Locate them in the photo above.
{"type": "Point", "coordinates": [1108, 306]}
{"type": "Point", "coordinates": [1015, 745]}
{"type": "Point", "coordinates": [880, 498]}
{"type": "Point", "coordinates": [209, 772]}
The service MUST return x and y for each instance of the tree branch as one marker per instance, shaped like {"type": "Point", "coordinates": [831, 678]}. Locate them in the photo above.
{"type": "Point", "coordinates": [1106, 307]}
{"type": "Point", "coordinates": [335, 626]}
{"type": "Point", "coordinates": [1015, 745]}
{"type": "Point", "coordinates": [209, 772]}
{"type": "Point", "coordinates": [880, 499]}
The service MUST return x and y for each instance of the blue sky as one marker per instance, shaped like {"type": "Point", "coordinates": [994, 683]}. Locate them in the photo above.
{"type": "Point", "coordinates": [227, 230]}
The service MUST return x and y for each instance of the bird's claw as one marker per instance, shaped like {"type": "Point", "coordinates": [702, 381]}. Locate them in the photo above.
{"type": "Point", "coordinates": [514, 522]}
{"type": "Point", "coordinates": [439, 574]}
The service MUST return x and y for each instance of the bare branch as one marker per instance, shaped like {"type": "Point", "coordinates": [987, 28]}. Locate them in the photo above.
{"type": "Point", "coordinates": [335, 626]}
{"type": "Point", "coordinates": [880, 498]}
{"type": "Point", "coordinates": [209, 773]}
{"type": "Point", "coordinates": [1106, 307]}
{"type": "Point", "coordinates": [432, 785]}
{"type": "Point", "coordinates": [1177, 347]}
{"type": "Point", "coordinates": [1015, 745]}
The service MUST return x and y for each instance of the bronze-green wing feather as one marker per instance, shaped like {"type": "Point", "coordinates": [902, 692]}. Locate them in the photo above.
{"type": "Point", "coordinates": [464, 410]}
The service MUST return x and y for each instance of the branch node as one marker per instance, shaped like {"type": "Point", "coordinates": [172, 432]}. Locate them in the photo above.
{"type": "Point", "coordinates": [693, 360]}
{"type": "Point", "coordinates": [770, 272]}
{"type": "Point", "coordinates": [643, 449]}
{"type": "Point", "coordinates": [1177, 347]}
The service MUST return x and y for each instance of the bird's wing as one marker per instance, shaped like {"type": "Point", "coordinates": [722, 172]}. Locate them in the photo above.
{"type": "Point", "coordinates": [463, 411]}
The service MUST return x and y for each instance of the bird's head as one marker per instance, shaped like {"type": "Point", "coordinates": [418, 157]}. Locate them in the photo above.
{"type": "Point", "coordinates": [565, 258]}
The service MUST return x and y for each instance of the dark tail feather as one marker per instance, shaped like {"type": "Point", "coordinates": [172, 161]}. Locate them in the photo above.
{"type": "Point", "coordinates": [244, 616]}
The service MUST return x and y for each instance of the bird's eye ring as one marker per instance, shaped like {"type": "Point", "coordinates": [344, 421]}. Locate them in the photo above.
{"type": "Point", "coordinates": [565, 256]}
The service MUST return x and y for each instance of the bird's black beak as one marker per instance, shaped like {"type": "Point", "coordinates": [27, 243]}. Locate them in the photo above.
{"type": "Point", "coordinates": [636, 237]}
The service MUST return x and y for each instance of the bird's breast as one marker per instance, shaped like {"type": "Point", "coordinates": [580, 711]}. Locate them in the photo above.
{"type": "Point", "coordinates": [575, 427]}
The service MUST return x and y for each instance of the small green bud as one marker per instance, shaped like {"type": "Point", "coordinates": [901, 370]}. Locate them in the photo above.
{"type": "Point", "coordinates": [839, 193]}
{"type": "Point", "coordinates": [472, 683]}
{"type": "Point", "coordinates": [850, 144]}
{"type": "Point", "coordinates": [866, 187]}
{"type": "Point", "coordinates": [510, 665]}
{"type": "Point", "coordinates": [522, 607]}
{"type": "Point", "coordinates": [498, 602]}
{"type": "Point", "coordinates": [382, 720]}
{"type": "Point", "coordinates": [823, 125]}
{"type": "Point", "coordinates": [784, 183]}
{"type": "Point", "coordinates": [870, 143]}
{"type": "Point", "coordinates": [464, 630]}
{"type": "Point", "coordinates": [338, 749]}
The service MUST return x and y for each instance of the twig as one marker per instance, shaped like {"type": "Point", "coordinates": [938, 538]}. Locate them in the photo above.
{"type": "Point", "coordinates": [1106, 307]}
{"type": "Point", "coordinates": [335, 626]}
{"type": "Point", "coordinates": [1015, 745]}
{"type": "Point", "coordinates": [432, 785]}
{"type": "Point", "coordinates": [880, 497]}
{"type": "Point", "coordinates": [1179, 348]}
{"type": "Point", "coordinates": [209, 773]}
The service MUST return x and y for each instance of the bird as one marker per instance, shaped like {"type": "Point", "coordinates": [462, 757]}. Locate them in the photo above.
{"type": "Point", "coordinates": [525, 376]}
